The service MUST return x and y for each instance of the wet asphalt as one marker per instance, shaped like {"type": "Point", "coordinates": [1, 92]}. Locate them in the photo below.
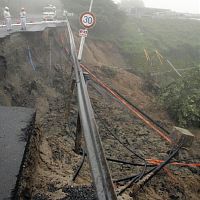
{"type": "Point", "coordinates": [13, 121]}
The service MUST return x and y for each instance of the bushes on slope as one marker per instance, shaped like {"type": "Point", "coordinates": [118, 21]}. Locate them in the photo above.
{"type": "Point", "coordinates": [182, 99]}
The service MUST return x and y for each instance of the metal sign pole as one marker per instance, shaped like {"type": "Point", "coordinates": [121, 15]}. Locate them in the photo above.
{"type": "Point", "coordinates": [91, 3]}
{"type": "Point", "coordinates": [83, 38]}
{"type": "Point", "coordinates": [81, 48]}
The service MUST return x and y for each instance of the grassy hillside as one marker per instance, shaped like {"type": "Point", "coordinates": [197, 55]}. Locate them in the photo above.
{"type": "Point", "coordinates": [176, 39]}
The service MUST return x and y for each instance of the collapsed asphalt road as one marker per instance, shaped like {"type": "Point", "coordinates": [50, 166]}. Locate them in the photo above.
{"type": "Point", "coordinates": [31, 27]}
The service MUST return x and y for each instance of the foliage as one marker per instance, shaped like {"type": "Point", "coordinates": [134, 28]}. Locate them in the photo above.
{"type": "Point", "coordinates": [182, 99]}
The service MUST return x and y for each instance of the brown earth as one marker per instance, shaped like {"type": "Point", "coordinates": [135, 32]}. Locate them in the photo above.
{"type": "Point", "coordinates": [51, 162]}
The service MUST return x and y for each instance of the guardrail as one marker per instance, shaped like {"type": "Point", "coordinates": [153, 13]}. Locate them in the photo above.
{"type": "Point", "coordinates": [35, 23]}
{"type": "Point", "coordinates": [100, 172]}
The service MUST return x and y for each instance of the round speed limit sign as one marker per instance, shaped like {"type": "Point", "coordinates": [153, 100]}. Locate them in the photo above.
{"type": "Point", "coordinates": [88, 19]}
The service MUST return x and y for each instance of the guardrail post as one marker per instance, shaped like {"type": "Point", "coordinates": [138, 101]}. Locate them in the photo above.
{"type": "Point", "coordinates": [79, 133]}
{"type": "Point", "coordinates": [71, 91]}
{"type": "Point", "coordinates": [78, 136]}
{"type": "Point", "coordinates": [86, 77]}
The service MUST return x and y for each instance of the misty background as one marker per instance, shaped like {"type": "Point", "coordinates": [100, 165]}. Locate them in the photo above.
{"type": "Point", "coordinates": [186, 6]}
{"type": "Point", "coordinates": [36, 6]}
{"type": "Point", "coordinates": [31, 6]}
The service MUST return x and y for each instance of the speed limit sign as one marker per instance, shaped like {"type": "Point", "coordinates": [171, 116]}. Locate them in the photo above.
{"type": "Point", "coordinates": [88, 19]}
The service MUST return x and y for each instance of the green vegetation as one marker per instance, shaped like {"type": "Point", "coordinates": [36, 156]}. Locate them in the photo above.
{"type": "Point", "coordinates": [176, 39]}
{"type": "Point", "coordinates": [182, 98]}
{"type": "Point", "coordinates": [179, 41]}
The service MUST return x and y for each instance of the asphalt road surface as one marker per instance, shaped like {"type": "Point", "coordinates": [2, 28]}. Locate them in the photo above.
{"type": "Point", "coordinates": [31, 27]}
{"type": "Point", "coordinates": [12, 122]}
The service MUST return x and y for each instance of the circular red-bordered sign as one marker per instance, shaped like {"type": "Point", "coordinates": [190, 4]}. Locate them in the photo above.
{"type": "Point", "coordinates": [87, 19]}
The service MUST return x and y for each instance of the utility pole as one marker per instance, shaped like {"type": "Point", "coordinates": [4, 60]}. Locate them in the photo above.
{"type": "Point", "coordinates": [83, 38]}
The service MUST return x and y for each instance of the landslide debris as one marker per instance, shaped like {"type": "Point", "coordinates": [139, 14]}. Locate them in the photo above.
{"type": "Point", "coordinates": [51, 161]}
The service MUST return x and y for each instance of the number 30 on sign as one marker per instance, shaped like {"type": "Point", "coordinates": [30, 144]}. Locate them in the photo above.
{"type": "Point", "coordinates": [88, 19]}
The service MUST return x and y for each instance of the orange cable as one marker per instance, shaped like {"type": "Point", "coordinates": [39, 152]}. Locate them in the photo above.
{"type": "Point", "coordinates": [139, 115]}
{"type": "Point", "coordinates": [134, 111]}
{"type": "Point", "coordinates": [152, 161]}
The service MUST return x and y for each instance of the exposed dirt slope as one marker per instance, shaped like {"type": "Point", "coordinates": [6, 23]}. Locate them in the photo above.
{"type": "Point", "coordinates": [52, 162]}
{"type": "Point", "coordinates": [98, 53]}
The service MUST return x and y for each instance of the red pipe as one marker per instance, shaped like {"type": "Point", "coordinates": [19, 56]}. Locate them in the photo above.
{"type": "Point", "coordinates": [133, 110]}
{"type": "Point", "coordinates": [152, 161]}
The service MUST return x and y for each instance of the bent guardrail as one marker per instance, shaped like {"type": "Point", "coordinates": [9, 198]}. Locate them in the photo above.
{"type": "Point", "coordinates": [99, 169]}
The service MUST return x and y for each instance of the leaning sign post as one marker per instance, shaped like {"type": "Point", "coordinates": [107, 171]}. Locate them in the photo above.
{"type": "Point", "coordinates": [87, 20]}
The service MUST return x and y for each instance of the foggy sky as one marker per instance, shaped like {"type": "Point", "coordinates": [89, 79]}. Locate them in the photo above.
{"type": "Point", "coordinates": [191, 6]}
{"type": "Point", "coordinates": [188, 6]}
